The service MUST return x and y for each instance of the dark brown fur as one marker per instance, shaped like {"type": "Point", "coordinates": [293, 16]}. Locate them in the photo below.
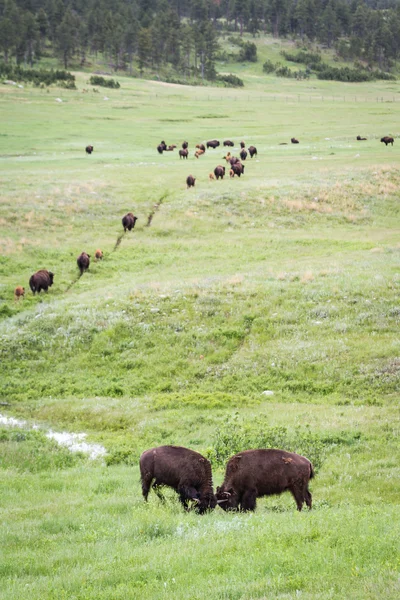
{"type": "Point", "coordinates": [255, 473]}
{"type": "Point", "coordinates": [387, 140]}
{"type": "Point", "coordinates": [89, 149]}
{"type": "Point", "coordinates": [228, 143]}
{"type": "Point", "coordinates": [183, 153]}
{"type": "Point", "coordinates": [361, 139]}
{"type": "Point", "coordinates": [161, 147]}
{"type": "Point", "coordinates": [219, 172]}
{"type": "Point", "coordinates": [243, 154]}
{"type": "Point", "coordinates": [83, 262]}
{"type": "Point", "coordinates": [129, 221]}
{"type": "Point", "coordinates": [213, 144]}
{"type": "Point", "coordinates": [190, 181]}
{"type": "Point", "coordinates": [238, 169]}
{"type": "Point", "coordinates": [252, 151]}
{"type": "Point", "coordinates": [185, 145]}
{"type": "Point", "coordinates": [201, 147]}
{"type": "Point", "coordinates": [182, 469]}
{"type": "Point", "coordinates": [41, 280]}
{"type": "Point", "coordinates": [294, 141]}
{"type": "Point", "coordinates": [233, 160]}
{"type": "Point", "coordinates": [242, 145]}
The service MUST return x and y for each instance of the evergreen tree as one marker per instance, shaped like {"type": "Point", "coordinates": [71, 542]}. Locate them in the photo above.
{"type": "Point", "coordinates": [67, 36]}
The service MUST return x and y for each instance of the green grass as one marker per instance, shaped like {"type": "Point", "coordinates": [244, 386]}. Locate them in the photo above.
{"type": "Point", "coordinates": [285, 280]}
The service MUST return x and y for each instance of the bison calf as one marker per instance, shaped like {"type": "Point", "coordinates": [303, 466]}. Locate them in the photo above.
{"type": "Point", "coordinates": [19, 292]}
{"type": "Point", "coordinates": [182, 469]}
{"type": "Point", "coordinates": [83, 262]}
{"type": "Point", "coordinates": [190, 181]}
{"type": "Point", "coordinates": [255, 473]}
{"type": "Point", "coordinates": [129, 221]}
{"type": "Point", "coordinates": [98, 254]}
{"type": "Point", "coordinates": [41, 280]}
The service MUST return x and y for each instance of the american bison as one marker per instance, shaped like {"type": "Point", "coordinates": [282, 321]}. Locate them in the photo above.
{"type": "Point", "coordinates": [294, 141]}
{"type": "Point", "coordinates": [190, 180]}
{"type": "Point", "coordinates": [98, 255]}
{"type": "Point", "coordinates": [228, 143]}
{"type": "Point", "coordinates": [83, 262]}
{"type": "Point", "coordinates": [233, 160]}
{"type": "Point", "coordinates": [41, 280]}
{"type": "Point", "coordinates": [19, 292]}
{"type": "Point", "coordinates": [243, 154]}
{"type": "Point", "coordinates": [89, 149]}
{"type": "Point", "coordinates": [219, 171]}
{"type": "Point", "coordinates": [242, 144]}
{"type": "Point", "coordinates": [129, 221]}
{"type": "Point", "coordinates": [255, 473]}
{"type": "Point", "coordinates": [182, 469]}
{"type": "Point", "coordinates": [183, 153]}
{"type": "Point", "coordinates": [361, 139]}
{"type": "Point", "coordinates": [211, 176]}
{"type": "Point", "coordinates": [238, 169]}
{"type": "Point", "coordinates": [231, 173]}
{"type": "Point", "coordinates": [201, 147]}
{"type": "Point", "coordinates": [170, 148]}
{"type": "Point", "coordinates": [199, 152]}
{"type": "Point", "coordinates": [252, 151]}
{"type": "Point", "coordinates": [387, 140]}
{"type": "Point", "coordinates": [227, 157]}
{"type": "Point", "coordinates": [213, 144]}
{"type": "Point", "coordinates": [161, 147]}
{"type": "Point", "coordinates": [185, 145]}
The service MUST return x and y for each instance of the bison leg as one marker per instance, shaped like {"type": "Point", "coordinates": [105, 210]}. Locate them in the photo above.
{"type": "Point", "coordinates": [146, 482]}
{"type": "Point", "coordinates": [157, 490]}
{"type": "Point", "coordinates": [297, 492]}
{"type": "Point", "coordinates": [248, 501]}
{"type": "Point", "coordinates": [308, 498]}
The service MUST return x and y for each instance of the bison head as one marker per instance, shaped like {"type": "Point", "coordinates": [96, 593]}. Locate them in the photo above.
{"type": "Point", "coordinates": [227, 498]}
{"type": "Point", "coordinates": [206, 502]}
{"type": "Point", "coordinates": [51, 277]}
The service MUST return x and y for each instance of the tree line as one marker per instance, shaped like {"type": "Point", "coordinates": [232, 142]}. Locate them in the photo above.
{"type": "Point", "coordinates": [183, 34]}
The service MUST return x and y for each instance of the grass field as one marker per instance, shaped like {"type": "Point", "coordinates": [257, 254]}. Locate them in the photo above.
{"type": "Point", "coordinates": [285, 280]}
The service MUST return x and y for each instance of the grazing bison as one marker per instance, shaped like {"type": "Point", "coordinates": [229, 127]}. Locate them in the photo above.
{"type": "Point", "coordinates": [387, 140]}
{"type": "Point", "coordinates": [19, 292]}
{"type": "Point", "coordinates": [242, 145]}
{"type": "Point", "coordinates": [182, 469]}
{"type": "Point", "coordinates": [185, 145]}
{"type": "Point", "coordinates": [213, 144]}
{"type": "Point", "coordinates": [361, 139]}
{"type": "Point", "coordinates": [161, 147]}
{"type": "Point", "coordinates": [190, 180]}
{"type": "Point", "coordinates": [255, 473]}
{"type": "Point", "coordinates": [219, 172]}
{"type": "Point", "coordinates": [41, 280]}
{"type": "Point", "coordinates": [183, 153]}
{"type": "Point", "coordinates": [243, 154]}
{"type": "Point", "coordinates": [170, 148]}
{"type": "Point", "coordinates": [89, 149]}
{"type": "Point", "coordinates": [201, 147]}
{"type": "Point", "coordinates": [238, 169]}
{"type": "Point", "coordinates": [294, 141]}
{"type": "Point", "coordinates": [252, 151]}
{"type": "Point", "coordinates": [233, 160]}
{"type": "Point", "coordinates": [129, 221]}
{"type": "Point", "coordinates": [228, 143]}
{"type": "Point", "coordinates": [98, 255]}
{"type": "Point", "coordinates": [83, 262]}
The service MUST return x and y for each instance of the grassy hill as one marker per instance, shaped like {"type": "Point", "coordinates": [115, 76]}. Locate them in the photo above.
{"type": "Point", "coordinates": [285, 281]}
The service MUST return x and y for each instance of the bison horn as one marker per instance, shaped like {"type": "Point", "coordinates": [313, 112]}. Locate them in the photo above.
{"type": "Point", "coordinates": [222, 501]}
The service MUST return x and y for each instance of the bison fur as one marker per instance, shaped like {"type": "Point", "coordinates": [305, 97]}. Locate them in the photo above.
{"type": "Point", "coordinates": [129, 221]}
{"type": "Point", "coordinates": [41, 280]}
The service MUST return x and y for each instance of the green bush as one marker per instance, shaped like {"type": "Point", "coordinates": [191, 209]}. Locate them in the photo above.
{"type": "Point", "coordinates": [38, 76]}
{"type": "Point", "coordinates": [109, 83]}
{"type": "Point", "coordinates": [268, 66]}
{"type": "Point", "coordinates": [248, 52]}
{"type": "Point", "coordinates": [230, 80]}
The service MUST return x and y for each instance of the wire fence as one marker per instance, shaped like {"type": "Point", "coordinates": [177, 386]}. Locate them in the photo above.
{"type": "Point", "coordinates": [281, 98]}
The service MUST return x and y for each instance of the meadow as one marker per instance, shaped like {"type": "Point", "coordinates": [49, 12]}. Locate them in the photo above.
{"type": "Point", "coordinates": [255, 311]}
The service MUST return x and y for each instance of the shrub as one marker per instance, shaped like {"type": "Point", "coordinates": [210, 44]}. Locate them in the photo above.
{"type": "Point", "coordinates": [307, 58]}
{"type": "Point", "coordinates": [268, 66]}
{"type": "Point", "coordinates": [98, 80]}
{"type": "Point", "coordinates": [230, 80]}
{"type": "Point", "coordinates": [248, 52]}
{"type": "Point", "coordinates": [38, 77]}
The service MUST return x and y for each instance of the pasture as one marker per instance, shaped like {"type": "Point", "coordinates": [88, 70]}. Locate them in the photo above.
{"type": "Point", "coordinates": [284, 281]}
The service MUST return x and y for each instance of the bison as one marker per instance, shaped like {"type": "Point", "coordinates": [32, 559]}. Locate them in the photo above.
{"type": "Point", "coordinates": [228, 143]}
{"type": "Point", "coordinates": [233, 160]}
{"type": "Point", "coordinates": [387, 140]}
{"type": "Point", "coordinates": [243, 154]}
{"type": "Point", "coordinates": [211, 176]}
{"type": "Point", "coordinates": [255, 473]}
{"type": "Point", "coordinates": [183, 153]}
{"type": "Point", "coordinates": [199, 152]}
{"type": "Point", "coordinates": [294, 141]}
{"type": "Point", "coordinates": [129, 221]}
{"type": "Point", "coordinates": [161, 147]}
{"type": "Point", "coordinates": [89, 149]}
{"type": "Point", "coordinates": [219, 171]}
{"type": "Point", "coordinates": [41, 280]}
{"type": "Point", "coordinates": [190, 180]}
{"type": "Point", "coordinates": [98, 255]}
{"type": "Point", "coordinates": [19, 292]}
{"type": "Point", "coordinates": [170, 148]}
{"type": "Point", "coordinates": [185, 145]}
{"type": "Point", "coordinates": [252, 151]}
{"type": "Point", "coordinates": [361, 139]}
{"type": "Point", "coordinates": [213, 144]}
{"type": "Point", "coordinates": [83, 262]}
{"type": "Point", "coordinates": [242, 144]}
{"type": "Point", "coordinates": [182, 469]}
{"type": "Point", "coordinates": [201, 147]}
{"type": "Point", "coordinates": [238, 169]}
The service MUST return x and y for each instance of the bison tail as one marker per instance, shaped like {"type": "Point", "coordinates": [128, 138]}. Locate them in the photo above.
{"type": "Point", "coordinates": [312, 473]}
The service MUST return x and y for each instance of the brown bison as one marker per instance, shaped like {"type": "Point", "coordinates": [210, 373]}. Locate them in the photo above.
{"type": "Point", "coordinates": [190, 180]}
{"type": "Point", "coordinates": [252, 151]}
{"type": "Point", "coordinates": [387, 140]}
{"type": "Point", "coordinates": [228, 143]}
{"type": "Point", "coordinates": [89, 149]}
{"type": "Point", "coordinates": [83, 262]}
{"type": "Point", "coordinates": [255, 473]}
{"type": "Point", "coordinates": [98, 254]}
{"type": "Point", "coordinates": [211, 176]}
{"type": "Point", "coordinates": [213, 144]}
{"type": "Point", "coordinates": [201, 147]}
{"type": "Point", "coordinates": [219, 172]}
{"type": "Point", "coordinates": [294, 141]}
{"type": "Point", "coordinates": [182, 469]}
{"type": "Point", "coordinates": [198, 153]}
{"type": "Point", "coordinates": [231, 173]}
{"type": "Point", "coordinates": [243, 154]}
{"type": "Point", "coordinates": [161, 147]}
{"type": "Point", "coordinates": [129, 221]}
{"type": "Point", "coordinates": [183, 153]}
{"type": "Point", "coordinates": [41, 280]}
{"type": "Point", "coordinates": [19, 292]}
{"type": "Point", "coordinates": [185, 145]}
{"type": "Point", "coordinates": [242, 145]}
{"type": "Point", "coordinates": [233, 160]}
{"type": "Point", "coordinates": [238, 169]}
{"type": "Point", "coordinates": [170, 148]}
{"type": "Point", "coordinates": [361, 139]}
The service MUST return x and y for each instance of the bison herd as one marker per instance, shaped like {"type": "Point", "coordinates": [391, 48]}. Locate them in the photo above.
{"type": "Point", "coordinates": [249, 475]}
